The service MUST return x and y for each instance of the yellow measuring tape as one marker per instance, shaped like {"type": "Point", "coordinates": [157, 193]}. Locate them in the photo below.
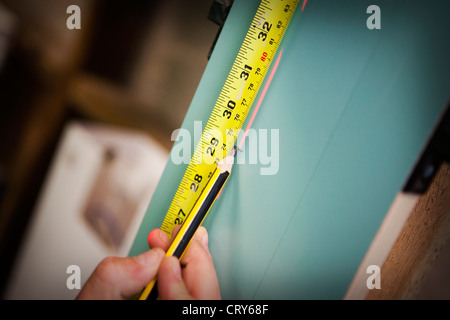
{"type": "Point", "coordinates": [206, 173]}
{"type": "Point", "coordinates": [235, 100]}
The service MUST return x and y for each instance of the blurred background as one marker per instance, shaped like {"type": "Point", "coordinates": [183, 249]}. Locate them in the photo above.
{"type": "Point", "coordinates": [125, 78]}
{"type": "Point", "coordinates": [85, 130]}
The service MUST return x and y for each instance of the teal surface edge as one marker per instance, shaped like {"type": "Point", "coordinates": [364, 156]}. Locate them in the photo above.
{"type": "Point", "coordinates": [353, 108]}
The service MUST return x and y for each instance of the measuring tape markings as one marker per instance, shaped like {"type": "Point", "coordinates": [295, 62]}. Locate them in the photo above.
{"type": "Point", "coordinates": [233, 104]}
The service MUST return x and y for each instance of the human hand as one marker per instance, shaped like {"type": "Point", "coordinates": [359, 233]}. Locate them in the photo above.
{"type": "Point", "coordinates": [196, 279]}
{"type": "Point", "coordinates": [119, 278]}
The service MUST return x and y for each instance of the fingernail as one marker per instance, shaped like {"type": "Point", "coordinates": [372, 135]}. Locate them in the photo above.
{"type": "Point", "coordinates": [176, 268]}
{"type": "Point", "coordinates": [163, 236]}
{"type": "Point", "coordinates": [203, 238]}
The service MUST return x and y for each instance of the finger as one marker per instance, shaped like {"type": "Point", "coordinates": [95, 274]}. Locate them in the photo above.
{"type": "Point", "coordinates": [119, 278]}
{"type": "Point", "coordinates": [200, 238]}
{"type": "Point", "coordinates": [199, 272]}
{"type": "Point", "coordinates": [158, 239]}
{"type": "Point", "coordinates": [170, 282]}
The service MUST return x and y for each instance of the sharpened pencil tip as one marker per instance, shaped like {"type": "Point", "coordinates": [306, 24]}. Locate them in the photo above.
{"type": "Point", "coordinates": [227, 163]}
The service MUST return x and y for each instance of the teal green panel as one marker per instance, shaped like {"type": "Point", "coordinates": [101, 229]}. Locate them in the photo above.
{"type": "Point", "coordinates": [380, 133]}
{"type": "Point", "coordinates": [200, 109]}
{"type": "Point", "coordinates": [353, 108]}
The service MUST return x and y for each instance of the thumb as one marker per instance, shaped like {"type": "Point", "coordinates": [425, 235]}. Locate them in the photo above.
{"type": "Point", "coordinates": [170, 282]}
{"type": "Point", "coordinates": [119, 278]}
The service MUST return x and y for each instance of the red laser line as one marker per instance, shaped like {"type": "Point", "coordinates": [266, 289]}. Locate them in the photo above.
{"type": "Point", "coordinates": [261, 98]}
{"type": "Point", "coordinates": [304, 4]}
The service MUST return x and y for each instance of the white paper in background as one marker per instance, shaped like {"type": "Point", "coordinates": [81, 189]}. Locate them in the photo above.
{"type": "Point", "coordinates": [94, 167]}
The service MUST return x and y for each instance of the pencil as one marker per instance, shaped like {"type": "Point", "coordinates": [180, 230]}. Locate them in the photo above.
{"type": "Point", "coordinates": [195, 218]}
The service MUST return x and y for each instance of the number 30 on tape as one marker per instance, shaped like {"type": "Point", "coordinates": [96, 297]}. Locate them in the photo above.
{"type": "Point", "coordinates": [233, 104]}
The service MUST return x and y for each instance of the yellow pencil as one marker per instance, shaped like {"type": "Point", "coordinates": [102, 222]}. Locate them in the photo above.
{"type": "Point", "coordinates": [195, 217]}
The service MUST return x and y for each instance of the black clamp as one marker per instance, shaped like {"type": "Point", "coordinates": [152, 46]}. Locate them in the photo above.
{"type": "Point", "coordinates": [218, 13]}
{"type": "Point", "coordinates": [436, 153]}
